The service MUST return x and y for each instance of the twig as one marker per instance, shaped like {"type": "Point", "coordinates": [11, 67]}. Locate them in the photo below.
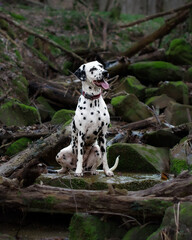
{"type": "Point", "coordinates": [161, 14]}
{"type": "Point", "coordinates": [91, 38]}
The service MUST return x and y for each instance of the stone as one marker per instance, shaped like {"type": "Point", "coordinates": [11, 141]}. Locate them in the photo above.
{"type": "Point", "coordinates": [130, 108]}
{"type": "Point", "coordinates": [168, 225]}
{"type": "Point", "coordinates": [159, 102]}
{"type": "Point", "coordinates": [45, 109]}
{"type": "Point", "coordinates": [151, 92]}
{"type": "Point", "coordinates": [138, 158]}
{"type": "Point", "coordinates": [181, 157]}
{"type": "Point", "coordinates": [176, 90]}
{"type": "Point", "coordinates": [85, 226]}
{"type": "Point", "coordinates": [177, 113]}
{"type": "Point", "coordinates": [20, 87]}
{"type": "Point", "coordinates": [18, 146]}
{"type": "Point", "coordinates": [121, 181]}
{"type": "Point", "coordinates": [161, 138]}
{"type": "Point", "coordinates": [180, 52]}
{"type": "Point", "coordinates": [14, 113]}
{"type": "Point", "coordinates": [62, 116]}
{"type": "Point", "coordinates": [188, 75]}
{"type": "Point", "coordinates": [141, 232]}
{"type": "Point", "coordinates": [131, 84]}
{"type": "Point", "coordinates": [155, 72]}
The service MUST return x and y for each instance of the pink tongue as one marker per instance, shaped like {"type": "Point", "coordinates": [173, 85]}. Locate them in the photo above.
{"type": "Point", "coordinates": [104, 85]}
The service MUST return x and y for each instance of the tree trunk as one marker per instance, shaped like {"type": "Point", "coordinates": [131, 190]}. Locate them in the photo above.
{"type": "Point", "coordinates": [146, 204]}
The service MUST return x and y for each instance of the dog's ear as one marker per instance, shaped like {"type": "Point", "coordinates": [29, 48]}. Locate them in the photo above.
{"type": "Point", "coordinates": [80, 73]}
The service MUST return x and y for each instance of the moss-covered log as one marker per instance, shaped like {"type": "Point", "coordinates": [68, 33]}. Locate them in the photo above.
{"type": "Point", "coordinates": [145, 204]}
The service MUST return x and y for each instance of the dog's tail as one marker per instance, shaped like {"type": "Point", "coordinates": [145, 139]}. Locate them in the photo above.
{"type": "Point", "coordinates": [114, 166]}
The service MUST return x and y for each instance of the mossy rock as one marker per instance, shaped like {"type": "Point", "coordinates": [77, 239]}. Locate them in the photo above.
{"type": "Point", "coordinates": [176, 90]}
{"type": "Point", "coordinates": [168, 225]}
{"type": "Point", "coordinates": [159, 102]}
{"type": "Point", "coordinates": [122, 181]}
{"type": "Point", "coordinates": [88, 227]}
{"type": "Point", "coordinates": [20, 86]}
{"type": "Point", "coordinates": [45, 109]}
{"type": "Point", "coordinates": [177, 113]}
{"type": "Point", "coordinates": [161, 138]}
{"type": "Point", "coordinates": [188, 75]}
{"type": "Point", "coordinates": [155, 72]}
{"type": "Point", "coordinates": [138, 158]}
{"type": "Point", "coordinates": [18, 146]}
{"type": "Point", "coordinates": [180, 160]}
{"type": "Point", "coordinates": [62, 116]}
{"type": "Point", "coordinates": [130, 108]}
{"type": "Point", "coordinates": [18, 114]}
{"type": "Point", "coordinates": [140, 233]}
{"type": "Point", "coordinates": [151, 92]}
{"type": "Point", "coordinates": [180, 52]}
{"type": "Point", "coordinates": [132, 85]}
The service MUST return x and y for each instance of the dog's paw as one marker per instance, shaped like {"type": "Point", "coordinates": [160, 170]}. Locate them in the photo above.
{"type": "Point", "coordinates": [109, 173]}
{"type": "Point", "coordinates": [78, 174]}
{"type": "Point", "coordinates": [94, 172]}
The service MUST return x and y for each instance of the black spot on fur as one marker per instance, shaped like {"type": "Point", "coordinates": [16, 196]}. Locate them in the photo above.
{"type": "Point", "coordinates": [92, 69]}
{"type": "Point", "coordinates": [99, 118]}
{"type": "Point", "coordinates": [81, 113]}
{"type": "Point", "coordinates": [84, 108]}
{"type": "Point", "coordinates": [84, 102]}
{"type": "Point", "coordinates": [102, 124]}
{"type": "Point", "coordinates": [95, 133]}
{"type": "Point", "coordinates": [81, 151]}
{"type": "Point", "coordinates": [90, 88]}
{"type": "Point", "coordinates": [91, 105]}
{"type": "Point", "coordinates": [84, 118]}
{"type": "Point", "coordinates": [95, 103]}
{"type": "Point", "coordinates": [98, 111]}
{"type": "Point", "coordinates": [92, 113]}
{"type": "Point", "coordinates": [104, 114]}
{"type": "Point", "coordinates": [102, 149]}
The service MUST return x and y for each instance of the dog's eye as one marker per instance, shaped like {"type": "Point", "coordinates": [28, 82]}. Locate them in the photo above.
{"type": "Point", "coordinates": [101, 66]}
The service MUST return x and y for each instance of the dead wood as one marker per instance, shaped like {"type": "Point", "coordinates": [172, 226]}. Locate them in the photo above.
{"type": "Point", "coordinates": [44, 38]}
{"type": "Point", "coordinates": [146, 204]}
{"type": "Point", "coordinates": [161, 32]}
{"type": "Point", "coordinates": [64, 94]}
{"type": "Point", "coordinates": [161, 14]}
{"type": "Point", "coordinates": [144, 123]}
{"type": "Point", "coordinates": [39, 149]}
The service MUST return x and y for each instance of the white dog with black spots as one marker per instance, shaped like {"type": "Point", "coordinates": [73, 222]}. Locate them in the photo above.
{"type": "Point", "coordinates": [89, 126]}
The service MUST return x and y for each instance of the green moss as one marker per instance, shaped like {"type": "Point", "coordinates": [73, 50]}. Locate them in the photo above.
{"type": "Point", "coordinates": [130, 108]}
{"type": "Point", "coordinates": [89, 227]}
{"type": "Point", "coordinates": [18, 114]}
{"type": "Point", "coordinates": [139, 158]}
{"type": "Point", "coordinates": [117, 100]}
{"type": "Point", "coordinates": [67, 67]}
{"type": "Point", "coordinates": [180, 52]}
{"type": "Point", "coordinates": [62, 116]}
{"type": "Point", "coordinates": [178, 165]}
{"type": "Point", "coordinates": [45, 108]}
{"type": "Point", "coordinates": [18, 146]}
{"type": "Point", "coordinates": [20, 85]}
{"type": "Point", "coordinates": [17, 16]}
{"type": "Point", "coordinates": [44, 203]}
{"type": "Point", "coordinates": [154, 72]}
{"type": "Point", "coordinates": [5, 26]}
{"type": "Point", "coordinates": [150, 92]}
{"type": "Point", "coordinates": [177, 90]}
{"type": "Point", "coordinates": [188, 75]}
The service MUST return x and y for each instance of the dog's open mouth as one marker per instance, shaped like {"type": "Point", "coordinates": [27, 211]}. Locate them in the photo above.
{"type": "Point", "coordinates": [101, 83]}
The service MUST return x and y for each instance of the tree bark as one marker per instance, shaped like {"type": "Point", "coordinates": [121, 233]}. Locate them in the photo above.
{"type": "Point", "coordinates": [146, 204]}
{"type": "Point", "coordinates": [40, 149]}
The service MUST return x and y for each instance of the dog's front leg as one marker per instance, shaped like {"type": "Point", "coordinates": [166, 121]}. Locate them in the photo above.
{"type": "Point", "coordinates": [80, 145]}
{"type": "Point", "coordinates": [103, 147]}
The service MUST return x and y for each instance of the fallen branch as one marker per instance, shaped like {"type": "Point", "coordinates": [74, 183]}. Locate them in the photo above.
{"type": "Point", "coordinates": [26, 29]}
{"type": "Point", "coordinates": [144, 123]}
{"type": "Point", "coordinates": [161, 14]}
{"type": "Point", "coordinates": [162, 31]}
{"type": "Point", "coordinates": [41, 148]}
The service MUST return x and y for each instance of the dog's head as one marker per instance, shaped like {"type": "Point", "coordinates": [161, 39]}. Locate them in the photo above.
{"type": "Point", "coordinates": [93, 72]}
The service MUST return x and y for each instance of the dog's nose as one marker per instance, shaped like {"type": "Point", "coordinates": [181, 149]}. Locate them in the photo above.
{"type": "Point", "coordinates": [105, 73]}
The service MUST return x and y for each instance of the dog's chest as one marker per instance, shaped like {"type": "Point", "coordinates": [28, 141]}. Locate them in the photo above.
{"type": "Point", "coordinates": [91, 116]}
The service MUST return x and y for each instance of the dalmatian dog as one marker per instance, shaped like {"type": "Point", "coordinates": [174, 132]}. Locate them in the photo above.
{"type": "Point", "coordinates": [89, 126]}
